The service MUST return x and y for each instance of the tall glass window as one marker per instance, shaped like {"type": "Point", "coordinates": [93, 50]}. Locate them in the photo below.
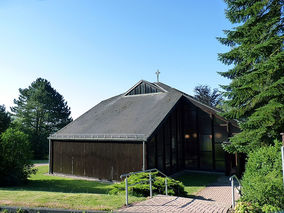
{"type": "Point", "coordinates": [160, 151]}
{"type": "Point", "coordinates": [221, 135]}
{"type": "Point", "coordinates": [174, 141]}
{"type": "Point", "coordinates": [151, 150]}
{"type": "Point", "coordinates": [190, 137]}
{"type": "Point", "coordinates": [205, 140]}
{"type": "Point", "coordinates": [167, 146]}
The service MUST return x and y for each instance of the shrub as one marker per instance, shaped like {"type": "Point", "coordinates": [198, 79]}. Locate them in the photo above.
{"type": "Point", "coordinates": [262, 180]}
{"type": "Point", "coordinates": [247, 207]}
{"type": "Point", "coordinates": [143, 189]}
{"type": "Point", "coordinates": [269, 208]}
{"type": "Point", "coordinates": [15, 155]}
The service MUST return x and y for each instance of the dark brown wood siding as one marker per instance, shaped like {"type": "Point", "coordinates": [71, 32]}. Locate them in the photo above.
{"type": "Point", "coordinates": [103, 160]}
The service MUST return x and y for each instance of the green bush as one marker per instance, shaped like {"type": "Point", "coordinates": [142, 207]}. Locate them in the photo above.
{"type": "Point", "coordinates": [247, 207]}
{"type": "Point", "coordinates": [262, 181]}
{"type": "Point", "coordinates": [15, 155]}
{"type": "Point", "coordinates": [143, 189]}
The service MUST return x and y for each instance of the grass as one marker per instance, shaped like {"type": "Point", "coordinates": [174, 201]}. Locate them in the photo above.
{"type": "Point", "coordinates": [39, 161]}
{"type": "Point", "coordinates": [61, 192]}
{"type": "Point", "coordinates": [194, 182]}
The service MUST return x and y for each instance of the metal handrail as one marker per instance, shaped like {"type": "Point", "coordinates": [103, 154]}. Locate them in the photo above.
{"type": "Point", "coordinates": [150, 181]}
{"type": "Point", "coordinates": [148, 170]}
{"type": "Point", "coordinates": [235, 176]}
{"type": "Point", "coordinates": [233, 188]}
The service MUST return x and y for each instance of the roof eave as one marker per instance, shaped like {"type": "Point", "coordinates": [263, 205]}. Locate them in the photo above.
{"type": "Point", "coordinates": [98, 138]}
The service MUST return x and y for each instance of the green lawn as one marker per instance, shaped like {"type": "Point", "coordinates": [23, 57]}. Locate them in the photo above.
{"type": "Point", "coordinates": [194, 182]}
{"type": "Point", "coordinates": [39, 161]}
{"type": "Point", "coordinates": [61, 192]}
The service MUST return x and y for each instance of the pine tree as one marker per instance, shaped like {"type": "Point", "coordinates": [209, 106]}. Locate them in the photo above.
{"type": "Point", "coordinates": [40, 111]}
{"type": "Point", "coordinates": [256, 91]}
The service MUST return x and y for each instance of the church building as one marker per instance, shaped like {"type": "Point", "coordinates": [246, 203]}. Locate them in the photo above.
{"type": "Point", "coordinates": [152, 125]}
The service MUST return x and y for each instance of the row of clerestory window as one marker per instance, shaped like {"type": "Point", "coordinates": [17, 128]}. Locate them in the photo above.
{"type": "Point", "coordinates": [143, 88]}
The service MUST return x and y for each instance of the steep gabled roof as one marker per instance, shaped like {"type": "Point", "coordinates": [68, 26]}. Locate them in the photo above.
{"type": "Point", "coordinates": [132, 116]}
{"type": "Point", "coordinates": [124, 117]}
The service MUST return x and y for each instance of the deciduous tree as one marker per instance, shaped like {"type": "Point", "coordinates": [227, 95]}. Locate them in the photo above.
{"type": "Point", "coordinates": [15, 157]}
{"type": "Point", "coordinates": [204, 94]}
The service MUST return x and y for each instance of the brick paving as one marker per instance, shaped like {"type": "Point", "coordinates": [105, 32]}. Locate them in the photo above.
{"type": "Point", "coordinates": [214, 198]}
{"type": "Point", "coordinates": [219, 192]}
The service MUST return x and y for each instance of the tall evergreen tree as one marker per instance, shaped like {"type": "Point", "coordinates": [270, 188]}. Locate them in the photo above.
{"type": "Point", "coordinates": [5, 119]}
{"type": "Point", "coordinates": [40, 111]}
{"type": "Point", "coordinates": [204, 94]}
{"type": "Point", "coordinates": [256, 91]}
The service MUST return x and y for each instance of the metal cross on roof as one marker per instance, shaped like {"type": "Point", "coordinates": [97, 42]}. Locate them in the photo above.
{"type": "Point", "coordinates": [157, 73]}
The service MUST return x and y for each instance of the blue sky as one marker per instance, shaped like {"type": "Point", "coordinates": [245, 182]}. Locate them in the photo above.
{"type": "Point", "coordinates": [92, 50]}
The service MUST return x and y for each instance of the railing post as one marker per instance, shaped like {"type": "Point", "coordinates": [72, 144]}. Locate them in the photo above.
{"type": "Point", "coordinates": [126, 191]}
{"type": "Point", "coordinates": [166, 183]}
{"type": "Point", "coordinates": [150, 182]}
{"type": "Point", "coordinates": [233, 192]}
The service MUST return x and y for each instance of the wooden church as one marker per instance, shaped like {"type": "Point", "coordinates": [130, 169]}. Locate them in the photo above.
{"type": "Point", "coordinates": [152, 125]}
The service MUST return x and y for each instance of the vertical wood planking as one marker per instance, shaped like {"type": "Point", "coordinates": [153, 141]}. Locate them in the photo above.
{"type": "Point", "coordinates": [104, 160]}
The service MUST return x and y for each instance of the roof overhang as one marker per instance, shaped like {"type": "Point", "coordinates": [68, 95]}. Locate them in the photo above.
{"type": "Point", "coordinates": [99, 137]}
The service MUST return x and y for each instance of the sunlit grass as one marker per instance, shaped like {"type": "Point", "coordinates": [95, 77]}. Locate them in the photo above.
{"type": "Point", "coordinates": [62, 192]}
{"type": "Point", "coordinates": [44, 190]}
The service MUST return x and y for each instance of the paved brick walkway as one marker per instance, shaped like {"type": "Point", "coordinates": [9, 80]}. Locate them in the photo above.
{"type": "Point", "coordinates": [214, 198]}
{"type": "Point", "coordinates": [219, 192]}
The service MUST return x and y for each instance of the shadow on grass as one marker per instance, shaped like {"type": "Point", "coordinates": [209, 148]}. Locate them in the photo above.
{"type": "Point", "coordinates": [39, 161]}
{"type": "Point", "coordinates": [197, 179]}
{"type": "Point", "coordinates": [42, 182]}
{"type": "Point", "coordinates": [66, 186]}
{"type": "Point", "coordinates": [194, 182]}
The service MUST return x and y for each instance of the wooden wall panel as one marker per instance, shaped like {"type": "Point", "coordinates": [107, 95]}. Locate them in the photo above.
{"type": "Point", "coordinates": [66, 155]}
{"type": "Point", "coordinates": [103, 160]}
{"type": "Point", "coordinates": [57, 151]}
